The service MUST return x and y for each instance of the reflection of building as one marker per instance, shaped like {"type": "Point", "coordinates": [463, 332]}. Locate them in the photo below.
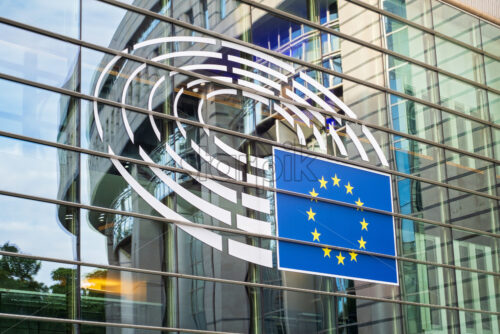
{"type": "Point", "coordinates": [442, 160]}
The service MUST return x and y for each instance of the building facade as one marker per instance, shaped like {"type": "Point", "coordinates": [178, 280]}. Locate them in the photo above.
{"type": "Point", "coordinates": [137, 180]}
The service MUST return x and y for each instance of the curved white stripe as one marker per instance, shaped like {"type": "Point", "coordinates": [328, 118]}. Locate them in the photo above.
{"type": "Point", "coordinates": [299, 113]}
{"type": "Point", "coordinates": [199, 203]}
{"type": "Point", "coordinates": [298, 99]}
{"type": "Point", "coordinates": [357, 143]}
{"type": "Point", "coordinates": [258, 66]}
{"type": "Point", "coordinates": [338, 141]}
{"type": "Point", "coordinates": [200, 117]}
{"type": "Point", "coordinates": [176, 114]}
{"type": "Point", "coordinates": [175, 39]}
{"type": "Point", "coordinates": [375, 145]}
{"type": "Point", "coordinates": [258, 180]}
{"type": "Point", "coordinates": [240, 156]}
{"type": "Point", "coordinates": [169, 55]}
{"type": "Point", "coordinates": [200, 81]}
{"type": "Point", "coordinates": [300, 135]}
{"type": "Point", "coordinates": [318, 100]}
{"type": "Point", "coordinates": [257, 255]}
{"type": "Point", "coordinates": [227, 91]}
{"type": "Point", "coordinates": [259, 54]}
{"type": "Point", "coordinates": [212, 239]}
{"type": "Point", "coordinates": [255, 203]}
{"type": "Point", "coordinates": [257, 77]}
{"type": "Point", "coordinates": [96, 92]}
{"type": "Point", "coordinates": [255, 87]}
{"type": "Point", "coordinates": [319, 138]}
{"type": "Point", "coordinates": [150, 106]}
{"type": "Point", "coordinates": [253, 225]}
{"type": "Point", "coordinates": [210, 184]}
{"type": "Point", "coordinates": [283, 113]}
{"type": "Point", "coordinates": [257, 98]}
{"type": "Point", "coordinates": [259, 163]}
{"type": "Point", "coordinates": [201, 67]}
{"type": "Point", "coordinates": [217, 164]}
{"type": "Point", "coordinates": [124, 95]}
{"type": "Point", "coordinates": [235, 154]}
{"type": "Point", "coordinates": [329, 94]}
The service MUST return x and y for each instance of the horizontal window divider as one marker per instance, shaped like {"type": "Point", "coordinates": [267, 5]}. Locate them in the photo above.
{"type": "Point", "coordinates": [240, 232]}
{"type": "Point", "coordinates": [423, 28]}
{"type": "Point", "coordinates": [358, 41]}
{"type": "Point", "coordinates": [272, 97]}
{"type": "Point", "coordinates": [246, 284]}
{"type": "Point", "coordinates": [471, 11]}
{"type": "Point", "coordinates": [242, 135]}
{"type": "Point", "coordinates": [24, 317]}
{"type": "Point", "coordinates": [243, 88]}
{"type": "Point", "coordinates": [264, 50]}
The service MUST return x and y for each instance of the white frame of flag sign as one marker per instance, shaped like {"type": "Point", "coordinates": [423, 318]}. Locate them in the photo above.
{"type": "Point", "coordinates": [376, 255]}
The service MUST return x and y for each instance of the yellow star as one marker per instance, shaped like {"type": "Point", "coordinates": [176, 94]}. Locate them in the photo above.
{"type": "Point", "coordinates": [315, 235]}
{"type": "Point", "coordinates": [311, 214]}
{"type": "Point", "coordinates": [359, 203]}
{"type": "Point", "coordinates": [364, 225]}
{"type": "Point", "coordinates": [349, 188]}
{"type": "Point", "coordinates": [323, 183]}
{"type": "Point", "coordinates": [353, 256]}
{"type": "Point", "coordinates": [340, 258]}
{"type": "Point", "coordinates": [313, 194]}
{"type": "Point", "coordinates": [336, 181]}
{"type": "Point", "coordinates": [362, 243]}
{"type": "Point", "coordinates": [327, 252]}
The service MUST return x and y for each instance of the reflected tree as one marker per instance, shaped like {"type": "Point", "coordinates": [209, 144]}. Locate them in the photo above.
{"type": "Point", "coordinates": [18, 273]}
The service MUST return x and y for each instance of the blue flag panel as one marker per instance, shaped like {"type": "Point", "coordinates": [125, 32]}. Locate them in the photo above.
{"type": "Point", "coordinates": [307, 219]}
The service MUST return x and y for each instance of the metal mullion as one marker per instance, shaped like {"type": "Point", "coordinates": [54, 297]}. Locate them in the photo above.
{"type": "Point", "coordinates": [238, 232]}
{"type": "Point", "coordinates": [276, 54]}
{"type": "Point", "coordinates": [243, 283]}
{"type": "Point", "coordinates": [304, 63]}
{"type": "Point", "coordinates": [360, 42]}
{"type": "Point", "coordinates": [232, 85]}
{"type": "Point", "coordinates": [255, 138]}
{"type": "Point", "coordinates": [423, 28]}
{"type": "Point", "coordinates": [223, 179]}
{"type": "Point", "coordinates": [106, 324]}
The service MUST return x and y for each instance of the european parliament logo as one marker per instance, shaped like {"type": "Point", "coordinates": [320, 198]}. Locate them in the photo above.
{"type": "Point", "coordinates": [258, 76]}
{"type": "Point", "coordinates": [311, 221]}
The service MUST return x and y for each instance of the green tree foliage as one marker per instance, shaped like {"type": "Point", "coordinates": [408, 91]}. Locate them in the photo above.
{"type": "Point", "coordinates": [18, 273]}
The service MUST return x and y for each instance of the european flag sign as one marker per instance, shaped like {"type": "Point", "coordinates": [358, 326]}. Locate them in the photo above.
{"type": "Point", "coordinates": [327, 224]}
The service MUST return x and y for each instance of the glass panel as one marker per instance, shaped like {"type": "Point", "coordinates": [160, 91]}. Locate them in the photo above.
{"type": "Point", "coordinates": [474, 212]}
{"type": "Point", "coordinates": [411, 79]}
{"type": "Point", "coordinates": [490, 35]}
{"type": "Point", "coordinates": [40, 327]}
{"type": "Point", "coordinates": [38, 288]}
{"type": "Point", "coordinates": [409, 41]}
{"type": "Point", "coordinates": [492, 72]}
{"type": "Point", "coordinates": [38, 170]}
{"type": "Point", "coordinates": [416, 11]}
{"type": "Point", "coordinates": [87, 329]}
{"type": "Point", "coordinates": [494, 104]}
{"type": "Point", "coordinates": [459, 60]}
{"type": "Point", "coordinates": [211, 306]}
{"type": "Point", "coordinates": [23, 229]}
{"type": "Point", "coordinates": [429, 320]}
{"type": "Point", "coordinates": [60, 16]}
{"type": "Point", "coordinates": [38, 113]}
{"type": "Point", "coordinates": [463, 97]}
{"type": "Point", "coordinates": [35, 57]}
{"type": "Point", "coordinates": [456, 23]}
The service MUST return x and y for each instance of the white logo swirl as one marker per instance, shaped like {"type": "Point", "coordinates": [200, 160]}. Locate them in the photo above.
{"type": "Point", "coordinates": [275, 86]}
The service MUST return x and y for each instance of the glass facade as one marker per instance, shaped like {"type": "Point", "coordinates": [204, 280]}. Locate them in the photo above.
{"type": "Point", "coordinates": [124, 123]}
